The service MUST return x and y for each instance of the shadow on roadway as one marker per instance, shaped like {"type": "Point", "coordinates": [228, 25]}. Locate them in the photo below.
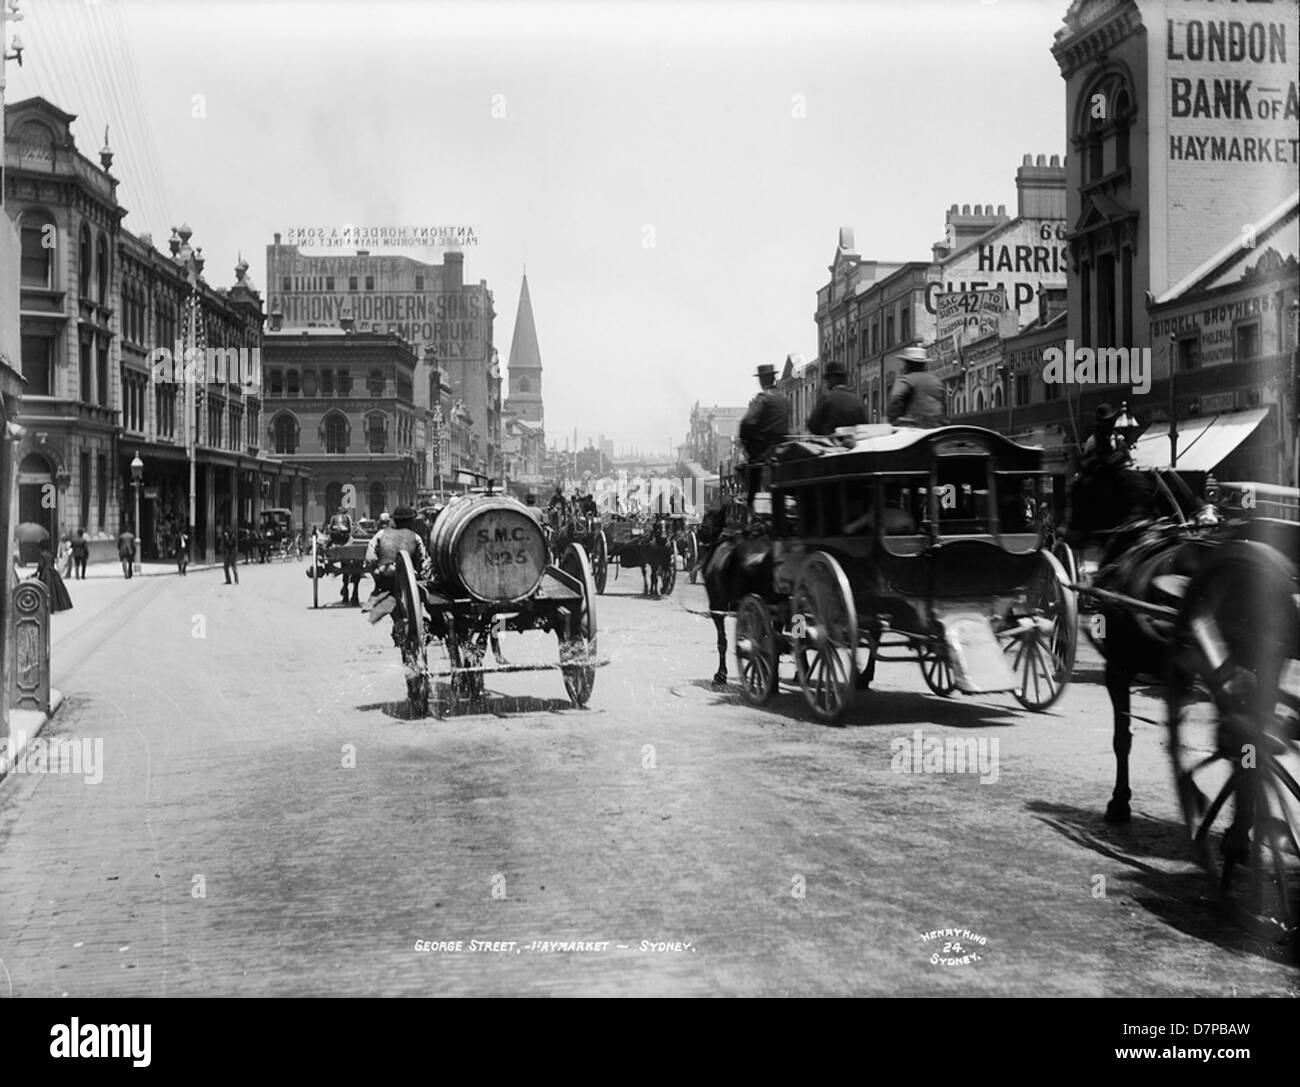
{"type": "Point", "coordinates": [1184, 900]}
{"type": "Point", "coordinates": [870, 707]}
{"type": "Point", "coordinates": [443, 706]}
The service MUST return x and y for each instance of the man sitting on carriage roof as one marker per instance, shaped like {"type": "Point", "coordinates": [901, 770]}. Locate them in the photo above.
{"type": "Point", "coordinates": [837, 406]}
{"type": "Point", "coordinates": [765, 425]}
{"type": "Point", "coordinates": [917, 396]}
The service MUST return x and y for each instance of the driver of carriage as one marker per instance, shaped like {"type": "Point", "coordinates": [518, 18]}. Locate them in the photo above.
{"type": "Point", "coordinates": [530, 501]}
{"type": "Point", "coordinates": [382, 559]}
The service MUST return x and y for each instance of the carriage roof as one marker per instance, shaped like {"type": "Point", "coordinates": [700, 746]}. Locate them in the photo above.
{"type": "Point", "coordinates": [872, 449]}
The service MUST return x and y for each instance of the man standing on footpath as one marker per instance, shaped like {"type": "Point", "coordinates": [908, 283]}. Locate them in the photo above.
{"type": "Point", "coordinates": [837, 406]}
{"type": "Point", "coordinates": [764, 426]}
{"type": "Point", "coordinates": [182, 550]}
{"type": "Point", "coordinates": [80, 553]}
{"type": "Point", "coordinates": [126, 551]}
{"type": "Point", "coordinates": [230, 555]}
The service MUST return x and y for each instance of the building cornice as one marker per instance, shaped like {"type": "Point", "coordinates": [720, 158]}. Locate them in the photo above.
{"type": "Point", "coordinates": [1092, 28]}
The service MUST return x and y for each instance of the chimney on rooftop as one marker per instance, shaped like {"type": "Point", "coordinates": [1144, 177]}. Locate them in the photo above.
{"type": "Point", "coordinates": [453, 270]}
{"type": "Point", "coordinates": [1040, 188]}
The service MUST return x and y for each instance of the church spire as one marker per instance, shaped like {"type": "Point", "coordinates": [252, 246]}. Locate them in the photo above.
{"type": "Point", "coordinates": [525, 395]}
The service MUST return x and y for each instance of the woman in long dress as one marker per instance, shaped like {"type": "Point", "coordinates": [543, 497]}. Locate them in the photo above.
{"type": "Point", "coordinates": [47, 572]}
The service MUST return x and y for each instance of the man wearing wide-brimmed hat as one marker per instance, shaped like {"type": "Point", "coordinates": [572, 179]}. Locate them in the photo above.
{"type": "Point", "coordinates": [917, 396]}
{"type": "Point", "coordinates": [837, 406]}
{"type": "Point", "coordinates": [764, 425]}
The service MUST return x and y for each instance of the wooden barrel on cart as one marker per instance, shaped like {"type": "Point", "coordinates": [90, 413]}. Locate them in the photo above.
{"type": "Point", "coordinates": [490, 547]}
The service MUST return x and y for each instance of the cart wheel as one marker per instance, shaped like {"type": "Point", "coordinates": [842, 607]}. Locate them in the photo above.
{"type": "Point", "coordinates": [1234, 755]}
{"type": "Point", "coordinates": [693, 567]}
{"type": "Point", "coordinates": [825, 624]}
{"type": "Point", "coordinates": [600, 563]}
{"type": "Point", "coordinates": [936, 669]}
{"type": "Point", "coordinates": [1069, 561]}
{"type": "Point", "coordinates": [315, 574]}
{"type": "Point", "coordinates": [668, 575]}
{"type": "Point", "coordinates": [757, 654]}
{"type": "Point", "coordinates": [578, 643]}
{"type": "Point", "coordinates": [1041, 639]}
{"type": "Point", "coordinates": [415, 654]}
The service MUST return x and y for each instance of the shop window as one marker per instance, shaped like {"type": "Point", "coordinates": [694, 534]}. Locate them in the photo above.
{"type": "Point", "coordinates": [1189, 353]}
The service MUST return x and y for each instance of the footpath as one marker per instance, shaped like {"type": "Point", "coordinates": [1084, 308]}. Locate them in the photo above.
{"type": "Point", "coordinates": [104, 587]}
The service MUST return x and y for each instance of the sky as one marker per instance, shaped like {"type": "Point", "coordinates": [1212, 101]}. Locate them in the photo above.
{"type": "Point", "coordinates": [673, 176]}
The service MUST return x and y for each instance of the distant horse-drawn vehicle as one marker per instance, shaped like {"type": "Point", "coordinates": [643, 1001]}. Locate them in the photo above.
{"type": "Point", "coordinates": [924, 541]}
{"type": "Point", "coordinates": [643, 542]}
{"type": "Point", "coordinates": [492, 573]}
{"type": "Point", "coordinates": [588, 530]}
{"type": "Point", "coordinates": [341, 551]}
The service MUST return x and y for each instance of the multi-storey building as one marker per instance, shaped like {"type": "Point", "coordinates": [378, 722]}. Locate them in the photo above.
{"type": "Point", "coordinates": [342, 404]}
{"type": "Point", "coordinates": [106, 320]}
{"type": "Point", "coordinates": [429, 305]}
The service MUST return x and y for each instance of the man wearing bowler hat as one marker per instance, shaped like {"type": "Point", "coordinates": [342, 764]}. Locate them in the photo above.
{"type": "Point", "coordinates": [917, 396]}
{"type": "Point", "coordinates": [764, 425]}
{"type": "Point", "coordinates": [837, 406]}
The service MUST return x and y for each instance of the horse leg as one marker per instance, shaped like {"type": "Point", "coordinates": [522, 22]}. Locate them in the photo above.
{"type": "Point", "coordinates": [720, 676]}
{"type": "Point", "coordinates": [1117, 686]}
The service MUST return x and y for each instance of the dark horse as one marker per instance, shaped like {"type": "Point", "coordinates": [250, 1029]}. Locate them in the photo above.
{"type": "Point", "coordinates": [654, 551]}
{"type": "Point", "coordinates": [736, 560]}
{"type": "Point", "coordinates": [1151, 552]}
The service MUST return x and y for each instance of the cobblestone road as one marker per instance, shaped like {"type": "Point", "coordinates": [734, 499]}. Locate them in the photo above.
{"type": "Point", "coordinates": [270, 823]}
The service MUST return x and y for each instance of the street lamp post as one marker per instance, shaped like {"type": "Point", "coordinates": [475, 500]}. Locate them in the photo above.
{"type": "Point", "coordinates": [137, 476]}
{"type": "Point", "coordinates": [1173, 410]}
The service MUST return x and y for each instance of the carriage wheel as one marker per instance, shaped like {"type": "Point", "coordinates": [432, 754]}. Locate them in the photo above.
{"type": "Point", "coordinates": [1069, 561]}
{"type": "Point", "coordinates": [757, 654]}
{"type": "Point", "coordinates": [825, 623]}
{"type": "Point", "coordinates": [578, 642]}
{"type": "Point", "coordinates": [693, 566]}
{"type": "Point", "coordinates": [1042, 637]}
{"type": "Point", "coordinates": [936, 668]}
{"type": "Point", "coordinates": [600, 563]}
{"type": "Point", "coordinates": [315, 574]}
{"type": "Point", "coordinates": [668, 575]}
{"type": "Point", "coordinates": [1235, 756]}
{"type": "Point", "coordinates": [415, 654]}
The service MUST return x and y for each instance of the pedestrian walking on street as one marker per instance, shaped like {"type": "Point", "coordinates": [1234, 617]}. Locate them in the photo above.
{"type": "Point", "coordinates": [230, 555]}
{"type": "Point", "coordinates": [764, 425]}
{"type": "Point", "coordinates": [837, 406]}
{"type": "Point", "coordinates": [917, 396]}
{"type": "Point", "coordinates": [63, 561]}
{"type": "Point", "coordinates": [182, 551]}
{"type": "Point", "coordinates": [48, 573]}
{"type": "Point", "coordinates": [126, 551]}
{"type": "Point", "coordinates": [80, 553]}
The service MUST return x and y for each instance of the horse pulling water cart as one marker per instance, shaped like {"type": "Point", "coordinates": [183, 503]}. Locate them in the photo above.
{"type": "Point", "coordinates": [924, 542]}
{"type": "Point", "coordinates": [492, 573]}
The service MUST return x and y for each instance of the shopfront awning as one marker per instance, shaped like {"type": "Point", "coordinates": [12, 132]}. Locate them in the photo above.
{"type": "Point", "coordinates": [1203, 444]}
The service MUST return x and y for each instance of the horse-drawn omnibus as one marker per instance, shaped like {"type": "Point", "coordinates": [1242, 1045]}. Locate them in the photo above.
{"type": "Point", "coordinates": [884, 538]}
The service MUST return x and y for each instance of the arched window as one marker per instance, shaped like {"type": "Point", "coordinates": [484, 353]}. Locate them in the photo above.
{"type": "Point", "coordinates": [378, 499]}
{"type": "Point", "coordinates": [336, 433]}
{"type": "Point", "coordinates": [104, 267]}
{"type": "Point", "coordinates": [524, 385]}
{"type": "Point", "coordinates": [39, 238]}
{"type": "Point", "coordinates": [978, 400]}
{"type": "Point", "coordinates": [333, 498]}
{"type": "Point", "coordinates": [85, 261]}
{"type": "Point", "coordinates": [285, 430]}
{"type": "Point", "coordinates": [1105, 117]}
